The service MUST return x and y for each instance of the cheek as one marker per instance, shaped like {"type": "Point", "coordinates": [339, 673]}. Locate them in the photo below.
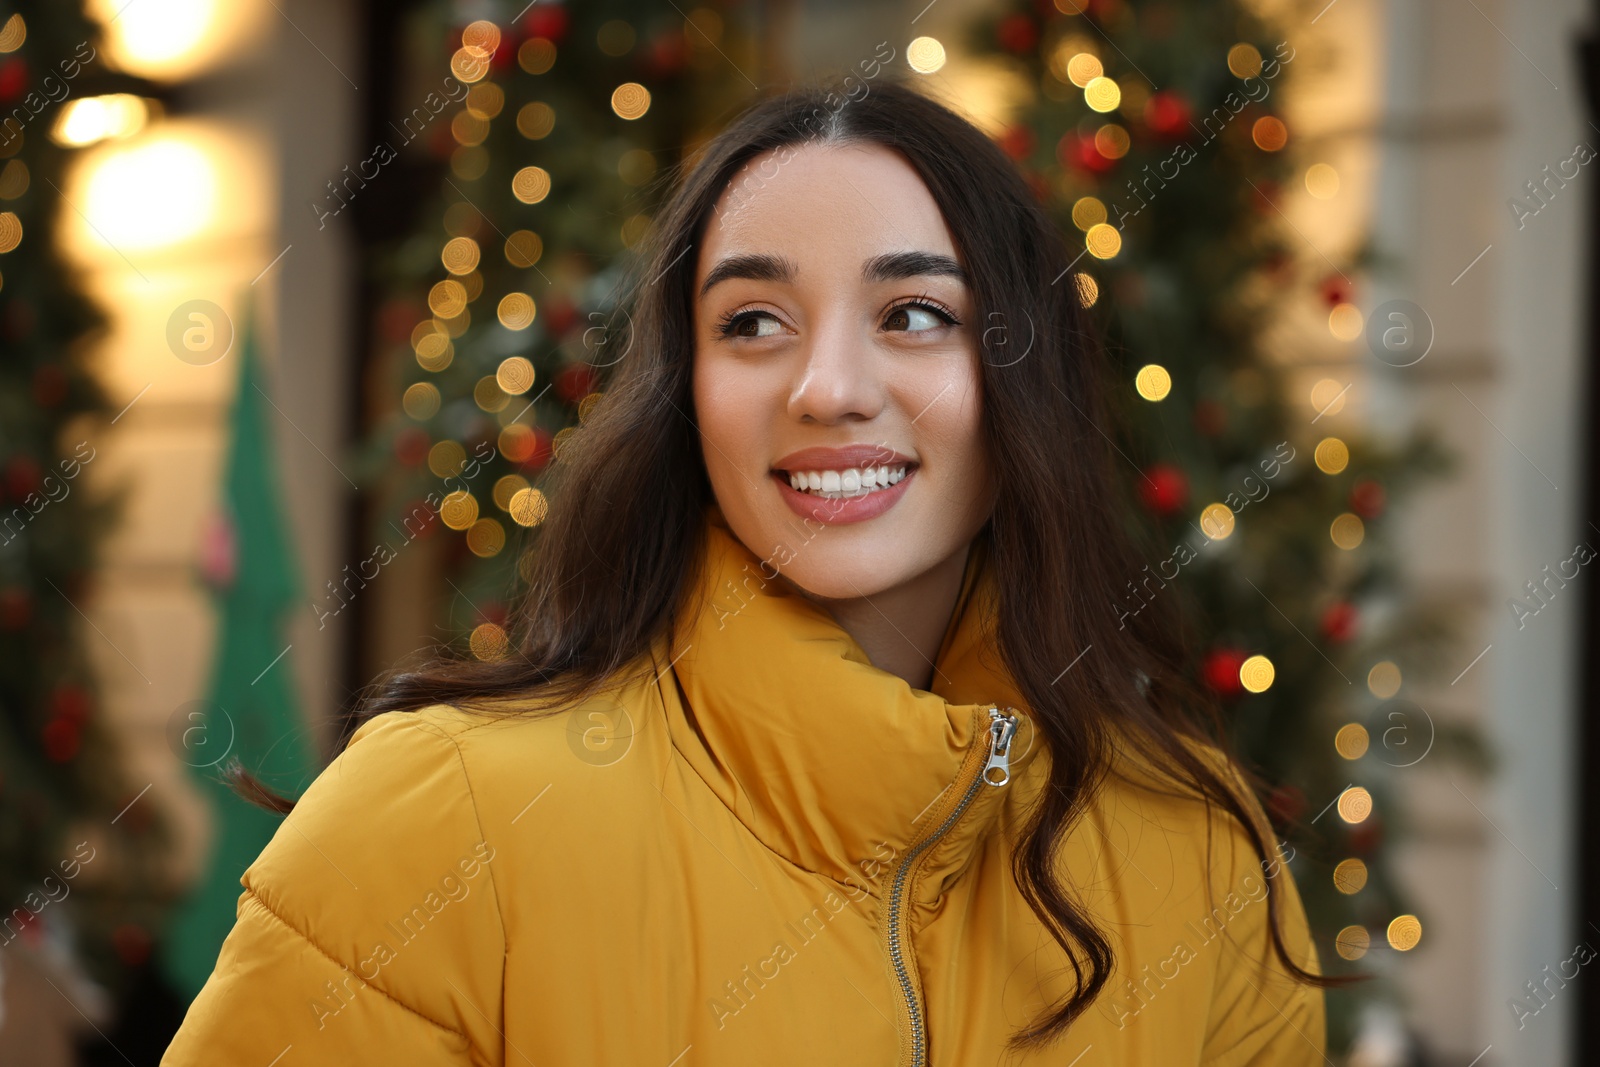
{"type": "Point", "coordinates": [729, 414]}
{"type": "Point", "coordinates": [952, 425]}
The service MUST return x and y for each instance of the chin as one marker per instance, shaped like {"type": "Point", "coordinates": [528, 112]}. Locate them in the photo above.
{"type": "Point", "coordinates": [839, 576]}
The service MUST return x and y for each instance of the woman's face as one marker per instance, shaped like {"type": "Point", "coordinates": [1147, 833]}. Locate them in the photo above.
{"type": "Point", "coordinates": [835, 343]}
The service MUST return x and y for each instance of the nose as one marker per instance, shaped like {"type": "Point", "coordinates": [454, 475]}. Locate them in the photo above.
{"type": "Point", "coordinates": [837, 378]}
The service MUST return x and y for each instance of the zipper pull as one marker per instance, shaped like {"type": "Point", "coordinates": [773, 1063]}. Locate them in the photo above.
{"type": "Point", "coordinates": [1001, 729]}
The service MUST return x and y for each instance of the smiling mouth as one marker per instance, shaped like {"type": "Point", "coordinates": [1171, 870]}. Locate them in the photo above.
{"type": "Point", "coordinates": [847, 482]}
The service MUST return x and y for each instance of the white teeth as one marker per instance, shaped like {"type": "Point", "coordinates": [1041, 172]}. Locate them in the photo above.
{"type": "Point", "coordinates": [853, 481]}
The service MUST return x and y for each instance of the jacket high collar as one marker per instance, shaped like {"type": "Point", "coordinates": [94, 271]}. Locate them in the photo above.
{"type": "Point", "coordinates": [831, 762]}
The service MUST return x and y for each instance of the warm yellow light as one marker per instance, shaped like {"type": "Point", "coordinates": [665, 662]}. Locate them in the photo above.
{"type": "Point", "coordinates": [1328, 397]}
{"type": "Point", "coordinates": [1322, 181]}
{"type": "Point", "coordinates": [1244, 61]}
{"type": "Point", "coordinates": [162, 38]}
{"type": "Point", "coordinates": [1088, 211]}
{"type": "Point", "coordinates": [445, 459]}
{"type": "Point", "coordinates": [448, 298]}
{"type": "Point", "coordinates": [481, 37]}
{"type": "Point", "coordinates": [514, 375]}
{"type": "Point", "coordinates": [1216, 521]}
{"type": "Point", "coordinates": [507, 487]}
{"type": "Point", "coordinates": [486, 537]}
{"type": "Point", "coordinates": [149, 195]}
{"type": "Point", "coordinates": [1384, 679]}
{"type": "Point", "coordinates": [1256, 674]}
{"type": "Point", "coordinates": [488, 395]}
{"type": "Point", "coordinates": [517, 442]}
{"type": "Point", "coordinates": [1345, 322]}
{"type": "Point", "coordinates": [469, 64]}
{"type": "Point", "coordinates": [1347, 531]}
{"type": "Point", "coordinates": [516, 311]}
{"type": "Point", "coordinates": [536, 120]}
{"type": "Point", "coordinates": [1102, 94]}
{"type": "Point", "coordinates": [1352, 942]}
{"type": "Point", "coordinates": [1269, 133]}
{"type": "Point", "coordinates": [1153, 382]}
{"type": "Point", "coordinates": [421, 401]}
{"type": "Point", "coordinates": [1350, 876]}
{"type": "Point", "coordinates": [1084, 68]}
{"type": "Point", "coordinates": [1112, 141]}
{"type": "Point", "coordinates": [529, 507]}
{"type": "Point", "coordinates": [559, 441]}
{"type": "Point", "coordinates": [13, 33]}
{"type": "Point", "coordinates": [1355, 804]}
{"type": "Point", "coordinates": [1351, 741]}
{"type": "Point", "coordinates": [531, 184]}
{"type": "Point", "coordinates": [536, 55]}
{"type": "Point", "coordinates": [1088, 289]}
{"type": "Point", "coordinates": [460, 255]}
{"type": "Point", "coordinates": [1332, 455]}
{"type": "Point", "coordinates": [1405, 931]}
{"type": "Point", "coordinates": [96, 118]}
{"type": "Point", "coordinates": [523, 248]}
{"type": "Point", "coordinates": [459, 510]}
{"type": "Point", "coordinates": [489, 642]}
{"type": "Point", "coordinates": [630, 100]}
{"type": "Point", "coordinates": [1103, 240]}
{"type": "Point", "coordinates": [925, 55]}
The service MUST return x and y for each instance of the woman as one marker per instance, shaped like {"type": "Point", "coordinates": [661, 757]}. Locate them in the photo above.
{"type": "Point", "coordinates": [823, 741]}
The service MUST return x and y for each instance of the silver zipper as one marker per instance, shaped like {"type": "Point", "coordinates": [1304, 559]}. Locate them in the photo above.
{"type": "Point", "coordinates": [1001, 730]}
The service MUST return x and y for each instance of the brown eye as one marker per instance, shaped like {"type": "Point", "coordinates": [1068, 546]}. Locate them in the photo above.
{"type": "Point", "coordinates": [748, 324]}
{"type": "Point", "coordinates": [916, 317]}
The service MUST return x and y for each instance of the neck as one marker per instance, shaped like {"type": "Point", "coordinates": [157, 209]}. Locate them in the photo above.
{"type": "Point", "coordinates": [900, 629]}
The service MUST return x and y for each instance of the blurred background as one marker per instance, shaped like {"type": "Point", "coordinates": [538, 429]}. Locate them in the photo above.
{"type": "Point", "coordinates": [299, 300]}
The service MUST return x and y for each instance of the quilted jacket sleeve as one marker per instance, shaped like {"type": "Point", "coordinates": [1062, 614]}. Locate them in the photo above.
{"type": "Point", "coordinates": [1261, 1016]}
{"type": "Point", "coordinates": [369, 929]}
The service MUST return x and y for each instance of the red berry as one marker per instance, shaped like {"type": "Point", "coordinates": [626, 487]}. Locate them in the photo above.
{"type": "Point", "coordinates": [133, 944]}
{"type": "Point", "coordinates": [1167, 114]}
{"type": "Point", "coordinates": [1335, 291]}
{"type": "Point", "coordinates": [1366, 498]}
{"type": "Point", "coordinates": [1339, 622]}
{"type": "Point", "coordinates": [70, 703]}
{"type": "Point", "coordinates": [1017, 142]}
{"type": "Point", "coordinates": [1017, 33]}
{"type": "Point", "coordinates": [1221, 670]}
{"type": "Point", "coordinates": [411, 445]}
{"type": "Point", "coordinates": [49, 385]}
{"type": "Point", "coordinates": [1286, 803]}
{"type": "Point", "coordinates": [61, 740]}
{"type": "Point", "coordinates": [546, 20]}
{"type": "Point", "coordinates": [1210, 418]}
{"type": "Point", "coordinates": [16, 608]}
{"type": "Point", "coordinates": [539, 456]}
{"type": "Point", "coordinates": [1164, 489]}
{"type": "Point", "coordinates": [575, 381]}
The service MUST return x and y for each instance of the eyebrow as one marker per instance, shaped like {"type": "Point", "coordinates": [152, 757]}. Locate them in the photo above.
{"type": "Point", "coordinates": [890, 266]}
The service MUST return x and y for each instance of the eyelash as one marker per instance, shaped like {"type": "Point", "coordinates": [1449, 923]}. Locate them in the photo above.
{"type": "Point", "coordinates": [924, 301]}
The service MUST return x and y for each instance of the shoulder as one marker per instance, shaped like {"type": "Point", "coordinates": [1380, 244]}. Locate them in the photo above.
{"type": "Point", "coordinates": [1204, 900]}
{"type": "Point", "coordinates": [505, 754]}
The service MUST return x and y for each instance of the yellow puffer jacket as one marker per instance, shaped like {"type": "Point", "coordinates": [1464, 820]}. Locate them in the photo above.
{"type": "Point", "coordinates": [762, 850]}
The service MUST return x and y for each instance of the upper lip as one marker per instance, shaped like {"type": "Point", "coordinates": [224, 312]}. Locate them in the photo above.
{"type": "Point", "coordinates": [842, 458]}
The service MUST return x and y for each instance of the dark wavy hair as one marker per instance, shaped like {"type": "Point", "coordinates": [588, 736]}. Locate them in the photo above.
{"type": "Point", "coordinates": [614, 559]}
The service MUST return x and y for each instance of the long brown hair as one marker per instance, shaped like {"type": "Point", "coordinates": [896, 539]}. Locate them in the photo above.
{"type": "Point", "coordinates": [614, 558]}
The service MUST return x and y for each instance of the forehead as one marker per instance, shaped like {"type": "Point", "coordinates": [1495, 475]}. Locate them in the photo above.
{"type": "Point", "coordinates": [834, 204]}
